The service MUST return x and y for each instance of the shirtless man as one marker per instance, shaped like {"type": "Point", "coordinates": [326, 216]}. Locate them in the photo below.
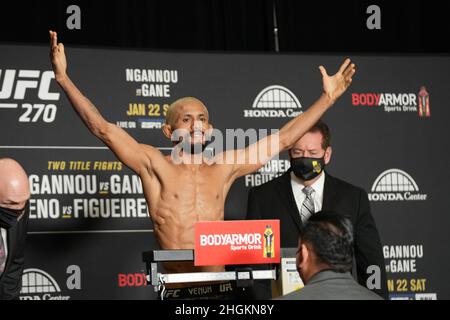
{"type": "Point", "coordinates": [180, 194]}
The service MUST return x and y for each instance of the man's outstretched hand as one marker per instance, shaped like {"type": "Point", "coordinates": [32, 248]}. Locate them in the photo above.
{"type": "Point", "coordinates": [57, 57]}
{"type": "Point", "coordinates": [334, 86]}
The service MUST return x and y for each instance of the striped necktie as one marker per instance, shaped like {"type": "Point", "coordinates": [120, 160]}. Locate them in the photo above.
{"type": "Point", "coordinates": [2, 255]}
{"type": "Point", "coordinates": [308, 204]}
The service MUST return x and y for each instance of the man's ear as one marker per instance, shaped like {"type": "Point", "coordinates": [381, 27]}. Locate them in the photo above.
{"type": "Point", "coordinates": [327, 156]}
{"type": "Point", "coordinates": [302, 255]}
{"type": "Point", "coordinates": [305, 254]}
{"type": "Point", "coordinates": [290, 154]}
{"type": "Point", "coordinates": [167, 130]}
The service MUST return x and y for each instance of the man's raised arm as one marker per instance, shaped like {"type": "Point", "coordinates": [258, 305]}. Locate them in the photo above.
{"type": "Point", "coordinates": [266, 148]}
{"type": "Point", "coordinates": [126, 148]}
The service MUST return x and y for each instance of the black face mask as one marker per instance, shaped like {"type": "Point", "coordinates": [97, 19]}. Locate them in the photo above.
{"type": "Point", "coordinates": [8, 217]}
{"type": "Point", "coordinates": [307, 168]}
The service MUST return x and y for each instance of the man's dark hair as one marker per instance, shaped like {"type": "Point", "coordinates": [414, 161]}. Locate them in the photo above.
{"type": "Point", "coordinates": [330, 237]}
{"type": "Point", "coordinates": [322, 127]}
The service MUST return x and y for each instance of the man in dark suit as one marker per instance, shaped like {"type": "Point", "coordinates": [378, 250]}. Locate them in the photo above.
{"type": "Point", "coordinates": [324, 261]}
{"type": "Point", "coordinates": [306, 189]}
{"type": "Point", "coordinates": [14, 196]}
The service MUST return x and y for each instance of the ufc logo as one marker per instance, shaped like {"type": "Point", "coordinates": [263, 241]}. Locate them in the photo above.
{"type": "Point", "coordinates": [25, 80]}
{"type": "Point", "coordinates": [174, 293]}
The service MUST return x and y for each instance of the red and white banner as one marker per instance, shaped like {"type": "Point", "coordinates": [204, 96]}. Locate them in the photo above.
{"type": "Point", "coordinates": [237, 242]}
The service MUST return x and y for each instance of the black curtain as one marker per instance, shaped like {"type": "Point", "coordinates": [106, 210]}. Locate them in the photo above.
{"type": "Point", "coordinates": [233, 25]}
{"type": "Point", "coordinates": [340, 26]}
{"type": "Point", "coordinates": [161, 24]}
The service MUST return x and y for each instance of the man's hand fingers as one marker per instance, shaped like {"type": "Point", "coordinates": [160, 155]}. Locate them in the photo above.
{"type": "Point", "coordinates": [344, 65]}
{"type": "Point", "coordinates": [348, 77]}
{"type": "Point", "coordinates": [352, 72]}
{"type": "Point", "coordinates": [323, 71]}
{"type": "Point", "coordinates": [53, 39]}
{"type": "Point", "coordinates": [350, 69]}
{"type": "Point", "coordinates": [61, 47]}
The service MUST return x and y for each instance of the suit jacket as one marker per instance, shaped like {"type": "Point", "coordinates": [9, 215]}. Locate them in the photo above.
{"type": "Point", "coordinates": [11, 278]}
{"type": "Point", "coordinates": [331, 285]}
{"type": "Point", "coordinates": [275, 200]}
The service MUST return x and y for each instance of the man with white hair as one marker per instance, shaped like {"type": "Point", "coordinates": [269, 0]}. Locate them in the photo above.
{"type": "Point", "coordinates": [14, 196]}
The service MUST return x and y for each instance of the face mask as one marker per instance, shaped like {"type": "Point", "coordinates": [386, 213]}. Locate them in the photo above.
{"type": "Point", "coordinates": [8, 217]}
{"type": "Point", "coordinates": [307, 168]}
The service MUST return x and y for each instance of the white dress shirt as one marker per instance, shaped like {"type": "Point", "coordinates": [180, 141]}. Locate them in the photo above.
{"type": "Point", "coordinates": [299, 195]}
{"type": "Point", "coordinates": [5, 243]}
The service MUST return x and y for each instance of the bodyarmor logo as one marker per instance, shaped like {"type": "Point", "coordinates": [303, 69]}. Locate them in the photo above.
{"type": "Point", "coordinates": [269, 247]}
{"type": "Point", "coordinates": [274, 102]}
{"type": "Point", "coordinates": [395, 185]}
{"type": "Point", "coordinates": [316, 166]}
{"type": "Point", "coordinates": [424, 103]}
{"type": "Point", "coordinates": [395, 102]}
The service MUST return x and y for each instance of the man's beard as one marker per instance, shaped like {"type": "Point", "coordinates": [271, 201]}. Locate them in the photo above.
{"type": "Point", "coordinates": [195, 148]}
{"type": "Point", "coordinates": [189, 147]}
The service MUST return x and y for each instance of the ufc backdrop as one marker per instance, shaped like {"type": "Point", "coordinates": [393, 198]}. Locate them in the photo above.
{"type": "Point", "coordinates": [89, 222]}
